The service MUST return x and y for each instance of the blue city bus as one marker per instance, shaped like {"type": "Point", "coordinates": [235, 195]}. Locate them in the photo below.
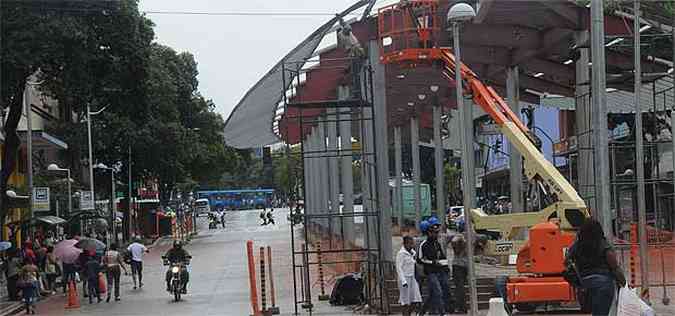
{"type": "Point", "coordinates": [238, 199]}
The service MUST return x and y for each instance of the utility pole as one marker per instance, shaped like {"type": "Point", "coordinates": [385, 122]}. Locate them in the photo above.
{"type": "Point", "coordinates": [91, 160]}
{"type": "Point", "coordinates": [113, 206]}
{"type": "Point", "coordinates": [28, 107]}
{"type": "Point", "coordinates": [129, 203]}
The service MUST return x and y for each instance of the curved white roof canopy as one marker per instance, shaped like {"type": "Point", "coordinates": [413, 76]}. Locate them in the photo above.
{"type": "Point", "coordinates": [250, 124]}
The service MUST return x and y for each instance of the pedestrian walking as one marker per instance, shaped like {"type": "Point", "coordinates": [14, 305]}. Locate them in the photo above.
{"type": "Point", "coordinates": [433, 259]}
{"type": "Point", "coordinates": [137, 251]}
{"type": "Point", "coordinates": [68, 270]}
{"type": "Point", "coordinates": [92, 270]}
{"type": "Point", "coordinates": [41, 255]}
{"type": "Point", "coordinates": [113, 265]}
{"type": "Point", "coordinates": [407, 284]}
{"type": "Point", "coordinates": [598, 267]}
{"type": "Point", "coordinates": [51, 269]}
{"type": "Point", "coordinates": [270, 217]}
{"type": "Point", "coordinates": [27, 251]}
{"type": "Point", "coordinates": [460, 268]}
{"type": "Point", "coordinates": [81, 267]}
{"type": "Point", "coordinates": [222, 218]}
{"type": "Point", "coordinates": [12, 268]}
{"type": "Point", "coordinates": [29, 284]}
{"type": "Point", "coordinates": [263, 216]}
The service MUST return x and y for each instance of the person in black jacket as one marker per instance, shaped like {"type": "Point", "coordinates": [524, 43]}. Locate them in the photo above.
{"type": "Point", "coordinates": [92, 268]}
{"type": "Point", "coordinates": [596, 262]}
{"type": "Point", "coordinates": [435, 264]}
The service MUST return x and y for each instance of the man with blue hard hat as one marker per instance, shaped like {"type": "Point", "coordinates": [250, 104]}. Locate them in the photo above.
{"type": "Point", "coordinates": [435, 264]}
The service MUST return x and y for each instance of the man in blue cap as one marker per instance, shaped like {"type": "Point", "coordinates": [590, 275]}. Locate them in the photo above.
{"type": "Point", "coordinates": [435, 264]}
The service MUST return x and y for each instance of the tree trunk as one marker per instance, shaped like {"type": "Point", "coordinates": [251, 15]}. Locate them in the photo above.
{"type": "Point", "coordinates": [9, 154]}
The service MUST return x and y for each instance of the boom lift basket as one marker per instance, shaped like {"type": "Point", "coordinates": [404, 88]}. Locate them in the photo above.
{"type": "Point", "coordinates": [409, 31]}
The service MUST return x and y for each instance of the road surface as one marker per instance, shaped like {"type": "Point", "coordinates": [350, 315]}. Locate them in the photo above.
{"type": "Point", "coordinates": [219, 278]}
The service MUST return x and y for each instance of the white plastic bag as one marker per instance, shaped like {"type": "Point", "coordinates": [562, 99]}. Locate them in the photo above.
{"type": "Point", "coordinates": [630, 304]}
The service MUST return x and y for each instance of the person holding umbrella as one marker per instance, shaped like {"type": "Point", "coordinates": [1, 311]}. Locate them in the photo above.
{"type": "Point", "coordinates": [68, 254]}
{"type": "Point", "coordinates": [92, 244]}
{"type": "Point", "coordinates": [90, 248]}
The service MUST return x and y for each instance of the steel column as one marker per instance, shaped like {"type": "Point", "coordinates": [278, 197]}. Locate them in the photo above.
{"type": "Point", "coordinates": [438, 163]}
{"type": "Point", "coordinates": [398, 171]}
{"type": "Point", "coordinates": [515, 158]}
{"type": "Point", "coordinates": [640, 155]}
{"type": "Point", "coordinates": [307, 173]}
{"type": "Point", "coordinates": [367, 175]}
{"type": "Point", "coordinates": [314, 175]}
{"type": "Point", "coordinates": [382, 153]}
{"type": "Point", "coordinates": [599, 118]}
{"type": "Point", "coordinates": [585, 167]}
{"type": "Point", "coordinates": [346, 172]}
{"type": "Point", "coordinates": [415, 150]}
{"type": "Point", "coordinates": [334, 178]}
{"type": "Point", "coordinates": [323, 173]}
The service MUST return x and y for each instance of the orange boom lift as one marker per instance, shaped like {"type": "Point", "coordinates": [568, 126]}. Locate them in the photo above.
{"type": "Point", "coordinates": [407, 36]}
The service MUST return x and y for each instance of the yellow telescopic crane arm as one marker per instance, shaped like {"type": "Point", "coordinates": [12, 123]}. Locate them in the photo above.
{"type": "Point", "coordinates": [568, 208]}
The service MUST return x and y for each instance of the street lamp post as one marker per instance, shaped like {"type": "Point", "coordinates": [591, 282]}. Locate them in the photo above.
{"type": "Point", "coordinates": [457, 14]}
{"type": "Point", "coordinates": [91, 159]}
{"type": "Point", "coordinates": [55, 167]}
{"type": "Point", "coordinates": [28, 108]}
{"type": "Point", "coordinates": [112, 200]}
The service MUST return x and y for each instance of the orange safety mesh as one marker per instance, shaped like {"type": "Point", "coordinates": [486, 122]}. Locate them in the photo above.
{"type": "Point", "coordinates": [660, 254]}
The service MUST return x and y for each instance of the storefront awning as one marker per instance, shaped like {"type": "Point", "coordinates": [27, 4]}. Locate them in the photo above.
{"type": "Point", "coordinates": [43, 140]}
{"type": "Point", "coordinates": [51, 220]}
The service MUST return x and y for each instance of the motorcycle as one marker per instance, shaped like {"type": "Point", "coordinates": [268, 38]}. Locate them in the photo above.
{"type": "Point", "coordinates": [176, 282]}
{"type": "Point", "coordinates": [213, 222]}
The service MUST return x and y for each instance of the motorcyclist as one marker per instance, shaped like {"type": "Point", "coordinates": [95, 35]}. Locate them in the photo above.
{"type": "Point", "coordinates": [177, 255]}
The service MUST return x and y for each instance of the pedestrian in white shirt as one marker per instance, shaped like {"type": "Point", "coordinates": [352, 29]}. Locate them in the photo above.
{"type": "Point", "coordinates": [407, 284]}
{"type": "Point", "coordinates": [137, 251]}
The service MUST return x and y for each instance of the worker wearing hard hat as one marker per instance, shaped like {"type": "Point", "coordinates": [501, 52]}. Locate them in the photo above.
{"type": "Point", "coordinates": [435, 263]}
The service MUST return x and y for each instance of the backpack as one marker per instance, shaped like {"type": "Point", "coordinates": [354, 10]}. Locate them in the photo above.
{"type": "Point", "coordinates": [348, 290]}
{"type": "Point", "coordinates": [126, 256]}
{"type": "Point", "coordinates": [419, 267]}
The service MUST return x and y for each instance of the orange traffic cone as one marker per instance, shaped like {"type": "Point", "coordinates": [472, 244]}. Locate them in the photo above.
{"type": "Point", "coordinates": [73, 299]}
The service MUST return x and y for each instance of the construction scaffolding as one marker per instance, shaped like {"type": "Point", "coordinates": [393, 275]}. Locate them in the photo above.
{"type": "Point", "coordinates": [641, 158]}
{"type": "Point", "coordinates": [331, 234]}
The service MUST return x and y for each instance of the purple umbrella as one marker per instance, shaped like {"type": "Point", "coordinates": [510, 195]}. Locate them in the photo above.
{"type": "Point", "coordinates": [66, 251]}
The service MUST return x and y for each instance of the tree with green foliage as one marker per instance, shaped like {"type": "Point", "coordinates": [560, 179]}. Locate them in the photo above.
{"type": "Point", "coordinates": [101, 54]}
{"type": "Point", "coordinates": [82, 49]}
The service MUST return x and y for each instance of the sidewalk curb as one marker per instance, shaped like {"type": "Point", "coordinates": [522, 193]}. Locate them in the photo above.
{"type": "Point", "coordinates": [12, 309]}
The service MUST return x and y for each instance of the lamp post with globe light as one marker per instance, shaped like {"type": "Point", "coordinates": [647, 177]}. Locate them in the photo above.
{"type": "Point", "coordinates": [112, 200]}
{"type": "Point", "coordinates": [458, 14]}
{"type": "Point", "coordinates": [55, 167]}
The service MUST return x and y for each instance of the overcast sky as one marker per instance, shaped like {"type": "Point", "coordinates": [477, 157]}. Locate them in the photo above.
{"type": "Point", "coordinates": [233, 52]}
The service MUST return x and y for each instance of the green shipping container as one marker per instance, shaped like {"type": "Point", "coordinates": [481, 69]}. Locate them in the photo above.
{"type": "Point", "coordinates": [408, 192]}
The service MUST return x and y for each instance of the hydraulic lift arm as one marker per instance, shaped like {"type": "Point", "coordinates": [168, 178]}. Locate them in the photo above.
{"type": "Point", "coordinates": [568, 207]}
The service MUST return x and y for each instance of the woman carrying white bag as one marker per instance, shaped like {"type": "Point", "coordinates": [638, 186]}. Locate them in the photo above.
{"type": "Point", "coordinates": [630, 304]}
{"type": "Point", "coordinates": [595, 262]}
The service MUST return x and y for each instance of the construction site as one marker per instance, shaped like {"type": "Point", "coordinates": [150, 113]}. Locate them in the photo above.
{"type": "Point", "coordinates": [532, 116]}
